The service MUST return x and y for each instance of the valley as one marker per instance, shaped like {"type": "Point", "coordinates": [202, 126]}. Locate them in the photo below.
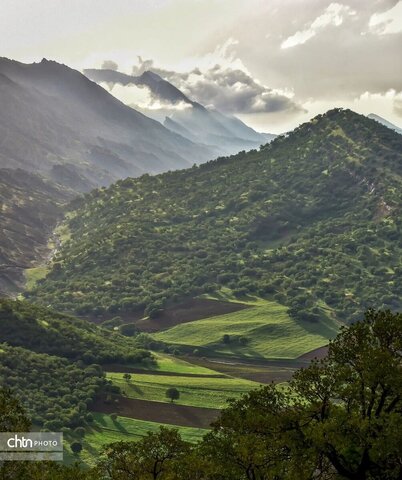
{"type": "Point", "coordinates": [210, 281]}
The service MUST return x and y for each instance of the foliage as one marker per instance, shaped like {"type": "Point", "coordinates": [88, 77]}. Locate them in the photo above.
{"type": "Point", "coordinates": [152, 457]}
{"type": "Point", "coordinates": [311, 220]}
{"type": "Point", "coordinates": [45, 331]}
{"type": "Point", "coordinates": [172, 393]}
{"type": "Point", "coordinates": [341, 418]}
{"type": "Point", "coordinates": [53, 391]}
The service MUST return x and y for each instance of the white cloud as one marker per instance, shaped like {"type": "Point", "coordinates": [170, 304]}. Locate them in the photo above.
{"type": "Point", "coordinates": [387, 22]}
{"type": "Point", "coordinates": [333, 15]}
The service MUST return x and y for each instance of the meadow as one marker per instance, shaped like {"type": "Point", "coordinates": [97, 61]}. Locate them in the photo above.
{"type": "Point", "coordinates": [264, 331]}
{"type": "Point", "coordinates": [194, 391]}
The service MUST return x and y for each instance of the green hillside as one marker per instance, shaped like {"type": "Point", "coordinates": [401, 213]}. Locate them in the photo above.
{"type": "Point", "coordinates": [45, 331]}
{"type": "Point", "coordinates": [311, 221]}
{"type": "Point", "coordinates": [265, 330]}
{"type": "Point", "coordinates": [55, 393]}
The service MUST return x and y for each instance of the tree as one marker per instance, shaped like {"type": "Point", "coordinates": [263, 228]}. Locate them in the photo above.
{"type": "Point", "coordinates": [226, 339]}
{"type": "Point", "coordinates": [12, 415]}
{"type": "Point", "coordinates": [351, 401]}
{"type": "Point", "coordinates": [127, 377]}
{"type": "Point", "coordinates": [172, 393]}
{"type": "Point", "coordinates": [76, 447]}
{"type": "Point", "coordinates": [154, 457]}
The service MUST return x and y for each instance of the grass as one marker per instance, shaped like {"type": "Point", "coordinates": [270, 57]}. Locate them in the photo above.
{"type": "Point", "coordinates": [269, 331]}
{"type": "Point", "coordinates": [169, 364]}
{"type": "Point", "coordinates": [104, 431]}
{"type": "Point", "coordinates": [32, 275]}
{"type": "Point", "coordinates": [194, 391]}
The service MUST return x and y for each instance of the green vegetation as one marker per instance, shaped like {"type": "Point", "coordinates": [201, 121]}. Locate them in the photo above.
{"type": "Point", "coordinates": [51, 362]}
{"type": "Point", "coordinates": [196, 391]}
{"type": "Point", "coordinates": [54, 392]}
{"type": "Point", "coordinates": [105, 430]}
{"type": "Point", "coordinates": [264, 330]}
{"type": "Point", "coordinates": [168, 364]}
{"type": "Point", "coordinates": [312, 221]}
{"type": "Point", "coordinates": [45, 331]}
{"type": "Point", "coordinates": [339, 418]}
{"type": "Point", "coordinates": [32, 275]}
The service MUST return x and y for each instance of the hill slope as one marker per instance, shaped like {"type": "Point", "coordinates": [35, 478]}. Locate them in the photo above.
{"type": "Point", "coordinates": [55, 121]}
{"type": "Point", "coordinates": [224, 134]}
{"type": "Point", "coordinates": [311, 220]}
{"type": "Point", "coordinates": [30, 208]}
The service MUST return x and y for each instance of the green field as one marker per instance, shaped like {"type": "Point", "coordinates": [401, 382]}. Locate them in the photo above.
{"type": "Point", "coordinates": [169, 364]}
{"type": "Point", "coordinates": [194, 391]}
{"type": "Point", "coordinates": [267, 328]}
{"type": "Point", "coordinates": [105, 431]}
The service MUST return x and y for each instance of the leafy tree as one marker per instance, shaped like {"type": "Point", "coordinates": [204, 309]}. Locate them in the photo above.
{"type": "Point", "coordinates": [353, 399]}
{"type": "Point", "coordinates": [76, 447]}
{"type": "Point", "coordinates": [172, 393]}
{"type": "Point", "coordinates": [154, 457]}
{"type": "Point", "coordinates": [127, 377]}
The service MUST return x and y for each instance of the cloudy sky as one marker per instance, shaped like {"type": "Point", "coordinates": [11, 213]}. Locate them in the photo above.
{"type": "Point", "coordinates": [273, 63]}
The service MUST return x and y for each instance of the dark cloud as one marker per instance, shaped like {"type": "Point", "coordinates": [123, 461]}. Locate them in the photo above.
{"type": "Point", "coordinates": [109, 65]}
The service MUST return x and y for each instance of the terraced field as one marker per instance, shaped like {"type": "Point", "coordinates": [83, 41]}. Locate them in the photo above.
{"type": "Point", "coordinates": [207, 392]}
{"type": "Point", "coordinates": [262, 331]}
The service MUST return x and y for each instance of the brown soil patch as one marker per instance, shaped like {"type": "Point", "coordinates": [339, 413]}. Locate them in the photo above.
{"type": "Point", "coordinates": [258, 373]}
{"type": "Point", "coordinates": [316, 353]}
{"type": "Point", "coordinates": [194, 309]}
{"type": "Point", "coordinates": [159, 412]}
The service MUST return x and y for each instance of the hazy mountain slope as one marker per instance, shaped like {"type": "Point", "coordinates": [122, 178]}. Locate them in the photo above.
{"type": "Point", "coordinates": [30, 208]}
{"type": "Point", "coordinates": [52, 115]}
{"type": "Point", "coordinates": [222, 133]}
{"type": "Point", "coordinates": [312, 220]}
{"type": "Point", "coordinates": [159, 87]}
{"type": "Point", "coordinates": [385, 122]}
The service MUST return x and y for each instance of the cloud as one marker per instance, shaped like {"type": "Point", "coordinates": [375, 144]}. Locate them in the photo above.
{"type": "Point", "coordinates": [109, 65]}
{"type": "Point", "coordinates": [226, 86]}
{"type": "Point", "coordinates": [387, 22]}
{"type": "Point", "coordinates": [333, 16]}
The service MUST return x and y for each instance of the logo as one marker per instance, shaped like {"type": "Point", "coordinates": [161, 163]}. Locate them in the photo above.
{"type": "Point", "coordinates": [31, 446]}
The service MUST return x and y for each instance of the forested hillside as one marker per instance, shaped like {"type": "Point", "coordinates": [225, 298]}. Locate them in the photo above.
{"type": "Point", "coordinates": [311, 220]}
{"type": "Point", "coordinates": [51, 362]}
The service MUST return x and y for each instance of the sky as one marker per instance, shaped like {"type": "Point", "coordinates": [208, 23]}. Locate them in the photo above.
{"type": "Point", "coordinates": [272, 63]}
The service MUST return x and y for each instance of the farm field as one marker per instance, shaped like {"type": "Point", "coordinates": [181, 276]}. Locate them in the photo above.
{"type": "Point", "coordinates": [197, 391]}
{"type": "Point", "coordinates": [263, 331]}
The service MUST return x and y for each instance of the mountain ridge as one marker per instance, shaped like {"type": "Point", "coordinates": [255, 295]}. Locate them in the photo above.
{"type": "Point", "coordinates": [223, 133]}
{"type": "Point", "coordinates": [308, 220]}
{"type": "Point", "coordinates": [54, 116]}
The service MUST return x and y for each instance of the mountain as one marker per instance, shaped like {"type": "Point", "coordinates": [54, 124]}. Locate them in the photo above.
{"type": "Point", "coordinates": [55, 121]}
{"type": "Point", "coordinates": [30, 208]}
{"type": "Point", "coordinates": [385, 122]}
{"type": "Point", "coordinates": [311, 220]}
{"type": "Point", "coordinates": [224, 134]}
